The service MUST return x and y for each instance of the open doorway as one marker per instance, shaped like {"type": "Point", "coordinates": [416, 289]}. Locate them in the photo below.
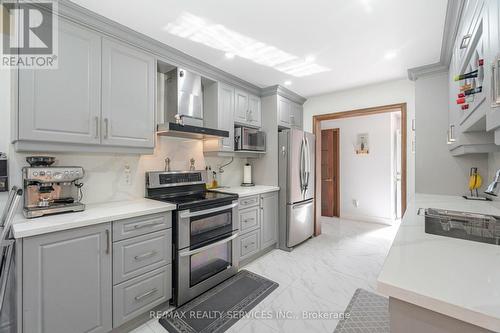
{"type": "Point", "coordinates": [355, 160]}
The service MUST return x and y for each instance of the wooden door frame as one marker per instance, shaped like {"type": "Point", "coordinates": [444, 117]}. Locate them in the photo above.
{"type": "Point", "coordinates": [336, 172]}
{"type": "Point", "coordinates": [317, 119]}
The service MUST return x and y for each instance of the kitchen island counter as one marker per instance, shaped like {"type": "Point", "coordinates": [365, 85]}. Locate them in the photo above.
{"type": "Point", "coordinates": [454, 277]}
{"type": "Point", "coordinates": [244, 191]}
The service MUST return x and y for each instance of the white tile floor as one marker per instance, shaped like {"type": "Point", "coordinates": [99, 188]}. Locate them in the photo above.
{"type": "Point", "coordinates": [319, 276]}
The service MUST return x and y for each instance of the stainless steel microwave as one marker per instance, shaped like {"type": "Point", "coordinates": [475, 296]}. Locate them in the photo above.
{"type": "Point", "coordinates": [246, 138]}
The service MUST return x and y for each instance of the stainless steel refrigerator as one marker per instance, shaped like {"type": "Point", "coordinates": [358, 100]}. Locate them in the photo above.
{"type": "Point", "coordinates": [296, 151]}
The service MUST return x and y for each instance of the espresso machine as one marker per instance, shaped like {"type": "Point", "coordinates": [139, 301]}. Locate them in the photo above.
{"type": "Point", "coordinates": [51, 189]}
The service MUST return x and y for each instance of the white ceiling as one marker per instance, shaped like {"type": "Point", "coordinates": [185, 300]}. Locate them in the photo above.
{"type": "Point", "coordinates": [358, 41]}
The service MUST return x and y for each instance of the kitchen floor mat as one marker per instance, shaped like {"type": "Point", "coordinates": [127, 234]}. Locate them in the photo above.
{"type": "Point", "coordinates": [368, 313]}
{"type": "Point", "coordinates": [221, 307]}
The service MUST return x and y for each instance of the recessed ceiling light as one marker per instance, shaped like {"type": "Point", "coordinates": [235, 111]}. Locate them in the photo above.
{"type": "Point", "coordinates": [219, 37]}
{"type": "Point", "coordinates": [391, 55]}
{"type": "Point", "coordinates": [288, 82]}
{"type": "Point", "coordinates": [229, 55]}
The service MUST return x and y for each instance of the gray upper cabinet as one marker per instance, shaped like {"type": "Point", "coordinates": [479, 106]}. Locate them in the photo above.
{"type": "Point", "coordinates": [254, 112]}
{"type": "Point", "coordinates": [241, 107]}
{"type": "Point", "coordinates": [296, 115]}
{"type": "Point", "coordinates": [247, 109]}
{"type": "Point", "coordinates": [284, 110]}
{"type": "Point", "coordinates": [128, 108]}
{"type": "Point", "coordinates": [269, 219]}
{"type": "Point", "coordinates": [67, 281]}
{"type": "Point", "coordinates": [63, 105]}
{"type": "Point", "coordinates": [219, 106]}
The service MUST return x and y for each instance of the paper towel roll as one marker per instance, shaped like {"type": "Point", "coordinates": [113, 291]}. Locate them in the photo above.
{"type": "Point", "coordinates": [247, 174]}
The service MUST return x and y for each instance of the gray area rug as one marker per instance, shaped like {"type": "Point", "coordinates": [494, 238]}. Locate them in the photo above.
{"type": "Point", "coordinates": [221, 307]}
{"type": "Point", "coordinates": [368, 313]}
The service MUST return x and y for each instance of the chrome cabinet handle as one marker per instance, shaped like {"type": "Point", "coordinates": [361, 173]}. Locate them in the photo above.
{"type": "Point", "coordinates": [465, 41]}
{"type": "Point", "coordinates": [145, 255]}
{"type": "Point", "coordinates": [108, 241]}
{"type": "Point", "coordinates": [248, 220]}
{"type": "Point", "coordinates": [495, 81]}
{"type": "Point", "coordinates": [106, 128]}
{"type": "Point", "coordinates": [96, 127]}
{"type": "Point", "coordinates": [146, 294]}
{"type": "Point", "coordinates": [147, 225]}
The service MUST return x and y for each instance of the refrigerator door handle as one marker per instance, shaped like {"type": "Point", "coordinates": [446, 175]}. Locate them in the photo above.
{"type": "Point", "coordinates": [308, 164]}
{"type": "Point", "coordinates": [302, 165]}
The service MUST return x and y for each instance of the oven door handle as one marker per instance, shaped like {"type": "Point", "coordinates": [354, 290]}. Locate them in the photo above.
{"type": "Point", "coordinates": [187, 214]}
{"type": "Point", "coordinates": [201, 249]}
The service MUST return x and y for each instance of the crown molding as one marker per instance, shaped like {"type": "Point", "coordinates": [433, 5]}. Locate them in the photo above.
{"type": "Point", "coordinates": [454, 11]}
{"type": "Point", "coordinates": [284, 92]}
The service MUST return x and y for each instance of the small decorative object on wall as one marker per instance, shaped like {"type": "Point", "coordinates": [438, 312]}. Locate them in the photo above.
{"type": "Point", "coordinates": [362, 144]}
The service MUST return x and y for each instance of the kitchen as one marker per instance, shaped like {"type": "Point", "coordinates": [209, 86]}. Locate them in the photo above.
{"type": "Point", "coordinates": [207, 196]}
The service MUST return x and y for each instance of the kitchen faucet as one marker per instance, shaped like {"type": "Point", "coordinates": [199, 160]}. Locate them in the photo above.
{"type": "Point", "coordinates": [494, 187]}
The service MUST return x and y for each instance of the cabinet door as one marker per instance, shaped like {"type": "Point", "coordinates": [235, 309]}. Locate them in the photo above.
{"type": "Point", "coordinates": [63, 104]}
{"type": "Point", "coordinates": [296, 115]}
{"type": "Point", "coordinates": [67, 281]}
{"type": "Point", "coordinates": [241, 108]}
{"type": "Point", "coordinates": [254, 113]}
{"type": "Point", "coordinates": [128, 108]}
{"type": "Point", "coordinates": [268, 219]}
{"type": "Point", "coordinates": [283, 112]}
{"type": "Point", "coordinates": [226, 115]}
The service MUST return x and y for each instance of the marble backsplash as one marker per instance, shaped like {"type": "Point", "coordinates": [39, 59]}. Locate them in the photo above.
{"type": "Point", "coordinates": [115, 177]}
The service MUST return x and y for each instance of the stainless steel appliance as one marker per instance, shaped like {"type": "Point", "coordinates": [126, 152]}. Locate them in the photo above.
{"type": "Point", "coordinates": [246, 138]}
{"type": "Point", "coordinates": [181, 111]}
{"type": "Point", "coordinates": [205, 233]}
{"type": "Point", "coordinates": [8, 281]}
{"type": "Point", "coordinates": [296, 181]}
{"type": "Point", "coordinates": [51, 189]}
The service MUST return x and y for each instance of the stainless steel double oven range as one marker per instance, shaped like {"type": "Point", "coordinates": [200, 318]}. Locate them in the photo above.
{"type": "Point", "coordinates": [205, 229]}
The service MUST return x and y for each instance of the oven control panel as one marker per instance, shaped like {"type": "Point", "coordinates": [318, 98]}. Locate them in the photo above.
{"type": "Point", "coordinates": [174, 178]}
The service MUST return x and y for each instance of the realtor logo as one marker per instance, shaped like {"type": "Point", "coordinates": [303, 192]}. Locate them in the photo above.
{"type": "Point", "coordinates": [29, 34]}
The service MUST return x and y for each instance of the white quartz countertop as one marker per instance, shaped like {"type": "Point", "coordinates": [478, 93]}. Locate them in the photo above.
{"type": "Point", "coordinates": [93, 214]}
{"type": "Point", "coordinates": [243, 191]}
{"type": "Point", "coordinates": [455, 277]}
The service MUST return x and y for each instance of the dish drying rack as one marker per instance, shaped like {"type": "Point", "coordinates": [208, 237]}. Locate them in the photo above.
{"type": "Point", "coordinates": [478, 225]}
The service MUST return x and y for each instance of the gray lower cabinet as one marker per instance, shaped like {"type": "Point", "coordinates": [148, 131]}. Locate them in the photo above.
{"type": "Point", "coordinates": [268, 219]}
{"type": "Point", "coordinates": [64, 104]}
{"type": "Point", "coordinates": [140, 294]}
{"type": "Point", "coordinates": [258, 217]}
{"type": "Point", "coordinates": [67, 284]}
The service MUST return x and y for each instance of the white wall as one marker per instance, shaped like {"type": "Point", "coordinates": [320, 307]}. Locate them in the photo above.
{"type": "Point", "coordinates": [385, 93]}
{"type": "Point", "coordinates": [437, 171]}
{"type": "Point", "coordinates": [366, 178]}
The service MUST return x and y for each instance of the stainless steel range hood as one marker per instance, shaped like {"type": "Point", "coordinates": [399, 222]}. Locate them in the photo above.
{"type": "Point", "coordinates": [180, 106]}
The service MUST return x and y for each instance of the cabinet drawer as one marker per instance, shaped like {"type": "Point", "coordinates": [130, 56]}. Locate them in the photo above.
{"type": "Point", "coordinates": [249, 219]}
{"type": "Point", "coordinates": [135, 256]}
{"type": "Point", "coordinates": [141, 294]}
{"type": "Point", "coordinates": [249, 201]}
{"type": "Point", "coordinates": [249, 244]}
{"type": "Point", "coordinates": [141, 225]}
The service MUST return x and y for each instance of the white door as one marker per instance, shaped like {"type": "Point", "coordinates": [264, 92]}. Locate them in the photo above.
{"type": "Point", "coordinates": [64, 104]}
{"type": "Point", "coordinates": [128, 100]}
